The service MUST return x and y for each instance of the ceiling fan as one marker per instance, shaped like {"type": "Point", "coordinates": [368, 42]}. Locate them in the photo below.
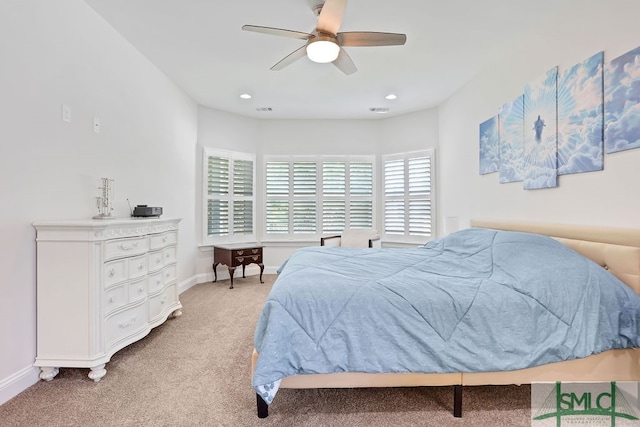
{"type": "Point", "coordinates": [326, 44]}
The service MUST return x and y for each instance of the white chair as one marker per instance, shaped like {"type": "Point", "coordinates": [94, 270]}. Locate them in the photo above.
{"type": "Point", "coordinates": [353, 238]}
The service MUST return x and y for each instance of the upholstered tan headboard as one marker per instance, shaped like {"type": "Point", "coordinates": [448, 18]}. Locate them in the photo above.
{"type": "Point", "coordinates": [615, 249]}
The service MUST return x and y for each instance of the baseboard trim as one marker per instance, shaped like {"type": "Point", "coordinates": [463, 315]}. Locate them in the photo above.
{"type": "Point", "coordinates": [188, 283]}
{"type": "Point", "coordinates": [15, 384]}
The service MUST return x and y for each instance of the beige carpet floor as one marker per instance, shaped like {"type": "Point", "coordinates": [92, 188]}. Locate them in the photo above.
{"type": "Point", "coordinates": [195, 371]}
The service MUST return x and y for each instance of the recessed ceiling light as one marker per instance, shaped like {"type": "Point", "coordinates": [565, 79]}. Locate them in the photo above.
{"type": "Point", "coordinates": [391, 96]}
{"type": "Point", "coordinates": [245, 96]}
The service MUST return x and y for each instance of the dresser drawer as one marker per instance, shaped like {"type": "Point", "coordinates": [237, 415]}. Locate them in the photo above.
{"type": "Point", "coordinates": [155, 260]}
{"type": "Point", "coordinates": [156, 282]}
{"type": "Point", "coordinates": [115, 272]}
{"type": "Point", "coordinates": [125, 247]}
{"type": "Point", "coordinates": [137, 290]}
{"type": "Point", "coordinates": [159, 304]}
{"type": "Point", "coordinates": [159, 241]}
{"type": "Point", "coordinates": [137, 267]}
{"type": "Point", "coordinates": [125, 323]}
{"type": "Point", "coordinates": [124, 269]}
{"type": "Point", "coordinates": [169, 274]}
{"type": "Point", "coordinates": [247, 252]}
{"type": "Point", "coordinates": [248, 259]}
{"type": "Point", "coordinates": [114, 298]}
{"type": "Point", "coordinates": [169, 255]}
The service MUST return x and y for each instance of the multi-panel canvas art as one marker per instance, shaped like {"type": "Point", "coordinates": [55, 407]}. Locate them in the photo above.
{"type": "Point", "coordinates": [489, 146]}
{"type": "Point", "coordinates": [511, 131]}
{"type": "Point", "coordinates": [540, 132]}
{"type": "Point", "coordinates": [564, 123]}
{"type": "Point", "coordinates": [622, 105]}
{"type": "Point", "coordinates": [581, 117]}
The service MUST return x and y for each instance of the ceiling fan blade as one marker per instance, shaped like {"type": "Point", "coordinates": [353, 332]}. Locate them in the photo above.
{"type": "Point", "coordinates": [278, 32]}
{"type": "Point", "coordinates": [331, 15]}
{"type": "Point", "coordinates": [291, 58]}
{"type": "Point", "coordinates": [345, 63]}
{"type": "Point", "coordinates": [367, 38]}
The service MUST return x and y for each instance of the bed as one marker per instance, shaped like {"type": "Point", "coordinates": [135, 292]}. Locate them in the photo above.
{"type": "Point", "coordinates": [615, 250]}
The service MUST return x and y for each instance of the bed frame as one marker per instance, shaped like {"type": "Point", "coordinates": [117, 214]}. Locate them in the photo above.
{"type": "Point", "coordinates": [615, 249]}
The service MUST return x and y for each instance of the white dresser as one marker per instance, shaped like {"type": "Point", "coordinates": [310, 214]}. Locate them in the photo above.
{"type": "Point", "coordinates": [102, 285]}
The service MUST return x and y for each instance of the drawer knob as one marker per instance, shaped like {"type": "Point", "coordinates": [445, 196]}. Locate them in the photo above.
{"type": "Point", "coordinates": [168, 256]}
{"type": "Point", "coordinates": [140, 290]}
{"type": "Point", "coordinates": [164, 239]}
{"type": "Point", "coordinates": [254, 251]}
{"type": "Point", "coordinates": [141, 266]}
{"type": "Point", "coordinates": [112, 272]}
{"type": "Point", "coordinates": [240, 252]}
{"type": "Point", "coordinates": [111, 300]}
{"type": "Point", "coordinates": [240, 259]}
{"type": "Point", "coordinates": [255, 258]}
{"type": "Point", "coordinates": [158, 260]}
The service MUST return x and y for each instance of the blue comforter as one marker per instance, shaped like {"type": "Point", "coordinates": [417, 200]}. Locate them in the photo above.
{"type": "Point", "coordinates": [476, 300]}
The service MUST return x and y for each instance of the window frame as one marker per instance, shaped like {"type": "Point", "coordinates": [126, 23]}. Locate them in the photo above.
{"type": "Point", "coordinates": [319, 197]}
{"type": "Point", "coordinates": [431, 196]}
{"type": "Point", "coordinates": [231, 237]}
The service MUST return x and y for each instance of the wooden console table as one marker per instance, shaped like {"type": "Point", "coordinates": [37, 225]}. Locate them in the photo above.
{"type": "Point", "coordinates": [234, 255]}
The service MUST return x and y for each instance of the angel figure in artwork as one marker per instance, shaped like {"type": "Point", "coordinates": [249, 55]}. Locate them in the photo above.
{"type": "Point", "coordinates": [538, 125]}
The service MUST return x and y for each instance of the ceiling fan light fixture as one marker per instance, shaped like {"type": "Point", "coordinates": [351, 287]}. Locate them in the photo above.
{"type": "Point", "coordinates": [323, 51]}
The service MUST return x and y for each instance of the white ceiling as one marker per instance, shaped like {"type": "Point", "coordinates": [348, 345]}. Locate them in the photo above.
{"type": "Point", "coordinates": [199, 44]}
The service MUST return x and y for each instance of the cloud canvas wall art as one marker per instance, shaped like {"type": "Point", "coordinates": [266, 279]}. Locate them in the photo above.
{"type": "Point", "coordinates": [489, 146]}
{"type": "Point", "coordinates": [540, 132]}
{"type": "Point", "coordinates": [581, 117]}
{"type": "Point", "coordinates": [622, 102]}
{"type": "Point", "coordinates": [511, 133]}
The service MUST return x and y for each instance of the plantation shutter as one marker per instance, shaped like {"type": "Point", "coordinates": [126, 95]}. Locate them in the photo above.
{"type": "Point", "coordinates": [333, 191]}
{"type": "Point", "coordinates": [218, 191]}
{"type": "Point", "coordinates": [230, 196]}
{"type": "Point", "coordinates": [277, 206]}
{"type": "Point", "coordinates": [313, 196]}
{"type": "Point", "coordinates": [394, 218]}
{"type": "Point", "coordinates": [361, 195]}
{"type": "Point", "coordinates": [419, 196]}
{"type": "Point", "coordinates": [305, 188]}
{"type": "Point", "coordinates": [407, 194]}
{"type": "Point", "coordinates": [243, 197]}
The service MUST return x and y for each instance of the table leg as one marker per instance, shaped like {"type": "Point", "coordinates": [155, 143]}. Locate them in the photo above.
{"type": "Point", "coordinates": [261, 271]}
{"type": "Point", "coordinates": [243, 276]}
{"type": "Point", "coordinates": [215, 273]}
{"type": "Point", "coordinates": [231, 271]}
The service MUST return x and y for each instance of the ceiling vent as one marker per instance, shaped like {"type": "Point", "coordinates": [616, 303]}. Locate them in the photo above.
{"type": "Point", "coordinates": [264, 109]}
{"type": "Point", "coordinates": [379, 110]}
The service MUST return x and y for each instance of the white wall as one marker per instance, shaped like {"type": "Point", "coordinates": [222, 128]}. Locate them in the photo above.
{"type": "Point", "coordinates": [607, 198]}
{"type": "Point", "coordinates": [56, 52]}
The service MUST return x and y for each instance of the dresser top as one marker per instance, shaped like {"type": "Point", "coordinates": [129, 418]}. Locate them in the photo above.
{"type": "Point", "coordinates": [103, 223]}
{"type": "Point", "coordinates": [102, 229]}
